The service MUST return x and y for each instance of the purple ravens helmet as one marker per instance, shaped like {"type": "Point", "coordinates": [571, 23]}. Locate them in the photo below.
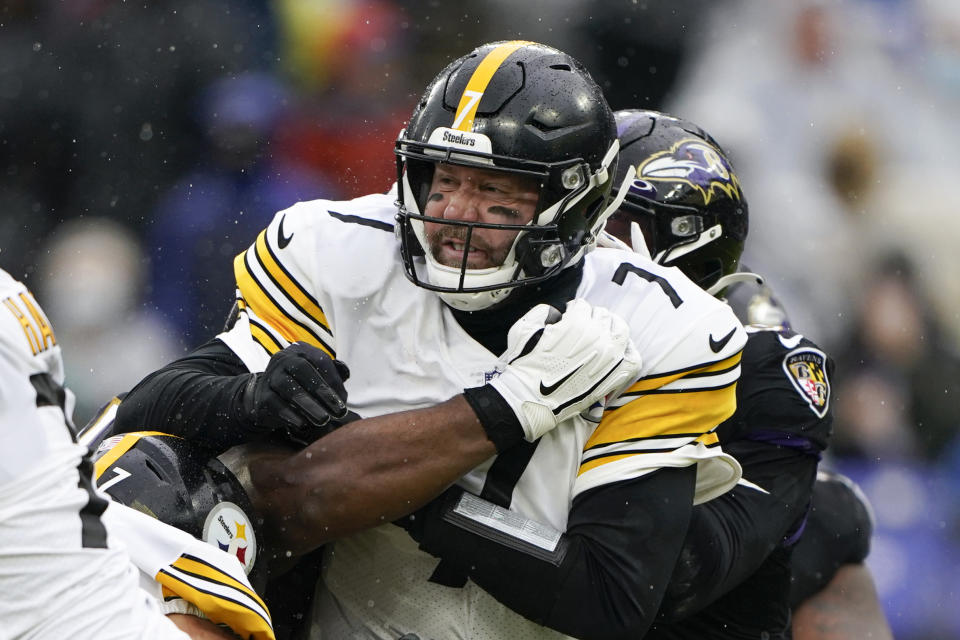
{"type": "Point", "coordinates": [685, 196]}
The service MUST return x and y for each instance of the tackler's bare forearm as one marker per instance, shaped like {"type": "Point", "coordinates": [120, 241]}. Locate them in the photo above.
{"type": "Point", "coordinates": [364, 474]}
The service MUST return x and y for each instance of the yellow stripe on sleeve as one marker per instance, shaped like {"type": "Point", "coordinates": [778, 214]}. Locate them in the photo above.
{"type": "Point", "coordinates": [241, 619]}
{"type": "Point", "coordinates": [478, 82]}
{"type": "Point", "coordinates": [293, 290]}
{"type": "Point", "coordinates": [264, 339]}
{"type": "Point", "coordinates": [208, 572]}
{"type": "Point", "coordinates": [264, 308]}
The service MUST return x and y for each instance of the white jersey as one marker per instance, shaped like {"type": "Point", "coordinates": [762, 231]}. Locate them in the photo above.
{"type": "Point", "coordinates": [189, 575]}
{"type": "Point", "coordinates": [62, 575]}
{"type": "Point", "coordinates": [329, 273]}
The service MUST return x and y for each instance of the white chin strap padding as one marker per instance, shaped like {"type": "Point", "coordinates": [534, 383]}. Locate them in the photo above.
{"type": "Point", "coordinates": [637, 242]}
{"type": "Point", "coordinates": [734, 278]}
{"type": "Point", "coordinates": [708, 236]}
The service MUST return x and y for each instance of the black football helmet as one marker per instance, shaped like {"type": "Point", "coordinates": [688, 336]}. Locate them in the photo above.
{"type": "Point", "coordinates": [182, 484]}
{"type": "Point", "coordinates": [684, 196]}
{"type": "Point", "coordinates": [519, 107]}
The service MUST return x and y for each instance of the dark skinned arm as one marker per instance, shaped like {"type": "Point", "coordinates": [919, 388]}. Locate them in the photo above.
{"type": "Point", "coordinates": [846, 608]}
{"type": "Point", "coordinates": [365, 474]}
{"type": "Point", "coordinates": [200, 628]}
{"type": "Point", "coordinates": [360, 475]}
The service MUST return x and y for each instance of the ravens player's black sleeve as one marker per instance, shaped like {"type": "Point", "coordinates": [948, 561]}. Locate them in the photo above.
{"type": "Point", "coordinates": [734, 568]}
{"type": "Point", "coordinates": [837, 533]}
{"type": "Point", "coordinates": [195, 397]}
{"type": "Point", "coordinates": [733, 577]}
{"type": "Point", "coordinates": [610, 569]}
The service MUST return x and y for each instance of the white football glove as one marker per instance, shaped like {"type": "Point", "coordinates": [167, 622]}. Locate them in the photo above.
{"type": "Point", "coordinates": [558, 366]}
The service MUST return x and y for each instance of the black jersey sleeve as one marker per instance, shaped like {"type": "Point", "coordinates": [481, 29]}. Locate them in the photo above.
{"type": "Point", "coordinates": [837, 533]}
{"type": "Point", "coordinates": [194, 397]}
{"type": "Point", "coordinates": [740, 542]}
{"type": "Point", "coordinates": [730, 537]}
{"type": "Point", "coordinates": [611, 566]}
{"type": "Point", "coordinates": [783, 395]}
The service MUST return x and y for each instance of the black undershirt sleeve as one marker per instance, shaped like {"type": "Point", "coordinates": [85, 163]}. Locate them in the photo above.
{"type": "Point", "coordinates": [195, 397]}
{"type": "Point", "coordinates": [611, 567]}
{"type": "Point", "coordinates": [838, 532]}
{"type": "Point", "coordinates": [731, 536]}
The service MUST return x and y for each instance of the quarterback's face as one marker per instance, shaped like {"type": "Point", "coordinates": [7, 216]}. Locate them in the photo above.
{"type": "Point", "coordinates": [468, 194]}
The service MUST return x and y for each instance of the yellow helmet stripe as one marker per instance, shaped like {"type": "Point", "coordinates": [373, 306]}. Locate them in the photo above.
{"type": "Point", "coordinates": [481, 77]}
{"type": "Point", "coordinates": [125, 444]}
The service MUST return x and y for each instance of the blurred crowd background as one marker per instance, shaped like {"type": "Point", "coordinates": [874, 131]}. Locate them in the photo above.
{"type": "Point", "coordinates": [143, 145]}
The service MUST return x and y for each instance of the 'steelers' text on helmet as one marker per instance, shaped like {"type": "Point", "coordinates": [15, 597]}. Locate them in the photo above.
{"type": "Point", "coordinates": [684, 195]}
{"type": "Point", "coordinates": [182, 484]}
{"type": "Point", "coordinates": [519, 107]}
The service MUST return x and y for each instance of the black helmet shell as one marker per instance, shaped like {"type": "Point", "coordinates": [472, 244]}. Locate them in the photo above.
{"type": "Point", "coordinates": [686, 196]}
{"type": "Point", "coordinates": [184, 485]}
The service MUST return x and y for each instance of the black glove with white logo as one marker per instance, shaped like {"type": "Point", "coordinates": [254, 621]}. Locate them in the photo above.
{"type": "Point", "coordinates": [301, 392]}
{"type": "Point", "coordinates": [555, 367]}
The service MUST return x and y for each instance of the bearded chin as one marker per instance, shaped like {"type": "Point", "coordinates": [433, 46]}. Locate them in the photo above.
{"type": "Point", "coordinates": [436, 239]}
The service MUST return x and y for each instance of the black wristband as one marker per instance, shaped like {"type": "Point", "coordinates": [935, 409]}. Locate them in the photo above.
{"type": "Point", "coordinates": [499, 421]}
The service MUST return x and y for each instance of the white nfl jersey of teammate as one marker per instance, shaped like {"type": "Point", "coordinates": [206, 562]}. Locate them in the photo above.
{"type": "Point", "coordinates": [188, 575]}
{"type": "Point", "coordinates": [62, 575]}
{"type": "Point", "coordinates": [329, 273]}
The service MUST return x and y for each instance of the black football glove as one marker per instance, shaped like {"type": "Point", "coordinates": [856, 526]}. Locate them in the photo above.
{"type": "Point", "coordinates": [300, 392]}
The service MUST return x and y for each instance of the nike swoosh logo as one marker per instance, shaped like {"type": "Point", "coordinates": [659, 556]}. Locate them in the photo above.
{"type": "Point", "coordinates": [547, 390]}
{"type": "Point", "coordinates": [283, 240]}
{"type": "Point", "coordinates": [791, 342]}
{"type": "Point", "coordinates": [717, 345]}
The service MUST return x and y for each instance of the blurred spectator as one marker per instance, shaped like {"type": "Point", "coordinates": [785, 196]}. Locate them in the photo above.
{"type": "Point", "coordinates": [239, 180]}
{"type": "Point", "coordinates": [635, 49]}
{"type": "Point", "coordinates": [349, 58]}
{"type": "Point", "coordinates": [94, 102]}
{"type": "Point", "coordinates": [825, 119]}
{"type": "Point", "coordinates": [37, 155]}
{"type": "Point", "coordinates": [899, 382]}
{"type": "Point", "coordinates": [91, 285]}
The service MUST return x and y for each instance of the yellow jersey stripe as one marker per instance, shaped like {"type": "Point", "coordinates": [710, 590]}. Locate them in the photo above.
{"type": "Point", "coordinates": [478, 82]}
{"type": "Point", "coordinates": [284, 280]}
{"type": "Point", "coordinates": [662, 390]}
{"type": "Point", "coordinates": [125, 444]}
{"type": "Point", "coordinates": [197, 567]}
{"type": "Point", "coordinates": [264, 339]}
{"type": "Point", "coordinates": [593, 463]}
{"type": "Point", "coordinates": [264, 307]}
{"type": "Point", "coordinates": [711, 368]}
{"type": "Point", "coordinates": [707, 439]}
{"type": "Point", "coordinates": [236, 615]}
{"type": "Point", "coordinates": [691, 413]}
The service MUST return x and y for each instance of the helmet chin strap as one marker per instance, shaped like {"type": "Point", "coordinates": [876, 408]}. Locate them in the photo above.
{"type": "Point", "coordinates": [637, 241]}
{"type": "Point", "coordinates": [708, 236]}
{"type": "Point", "coordinates": [733, 278]}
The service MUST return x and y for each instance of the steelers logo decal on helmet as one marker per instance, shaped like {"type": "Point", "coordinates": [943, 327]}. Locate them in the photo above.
{"type": "Point", "coordinates": [807, 370]}
{"type": "Point", "coordinates": [515, 112]}
{"type": "Point", "coordinates": [228, 528]}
